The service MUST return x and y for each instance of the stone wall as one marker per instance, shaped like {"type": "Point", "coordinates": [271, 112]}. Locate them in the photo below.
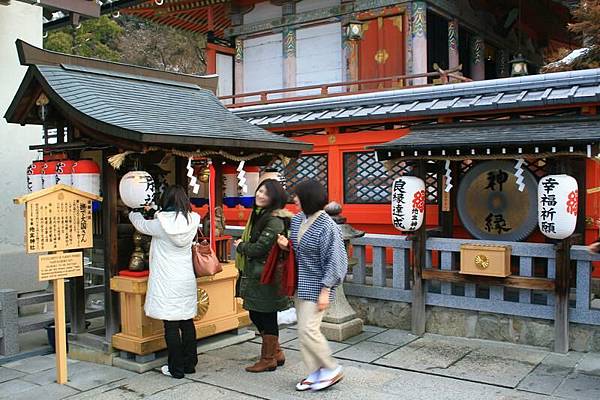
{"type": "Point", "coordinates": [473, 324]}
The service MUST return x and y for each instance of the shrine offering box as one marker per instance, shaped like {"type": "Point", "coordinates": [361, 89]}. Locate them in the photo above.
{"type": "Point", "coordinates": [485, 260]}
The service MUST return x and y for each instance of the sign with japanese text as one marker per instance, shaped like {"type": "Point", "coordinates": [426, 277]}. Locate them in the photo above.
{"type": "Point", "coordinates": [62, 265]}
{"type": "Point", "coordinates": [558, 198]}
{"type": "Point", "coordinates": [408, 203]}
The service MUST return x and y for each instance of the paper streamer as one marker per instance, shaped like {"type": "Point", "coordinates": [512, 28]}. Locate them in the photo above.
{"type": "Point", "coordinates": [193, 180]}
{"type": "Point", "coordinates": [448, 176]}
{"type": "Point", "coordinates": [519, 174]}
{"type": "Point", "coordinates": [242, 177]}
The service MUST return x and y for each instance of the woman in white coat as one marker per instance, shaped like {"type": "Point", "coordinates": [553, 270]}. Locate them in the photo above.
{"type": "Point", "coordinates": [172, 292]}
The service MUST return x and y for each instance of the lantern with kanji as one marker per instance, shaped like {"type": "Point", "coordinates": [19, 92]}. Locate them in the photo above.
{"type": "Point", "coordinates": [137, 189]}
{"type": "Point", "coordinates": [64, 172]}
{"type": "Point", "coordinates": [35, 180]}
{"type": "Point", "coordinates": [408, 203]}
{"type": "Point", "coordinates": [86, 176]}
{"type": "Point", "coordinates": [557, 206]}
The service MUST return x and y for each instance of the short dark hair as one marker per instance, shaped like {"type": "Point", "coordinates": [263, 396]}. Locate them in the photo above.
{"type": "Point", "coordinates": [312, 196]}
{"type": "Point", "coordinates": [276, 193]}
{"type": "Point", "coordinates": [175, 198]}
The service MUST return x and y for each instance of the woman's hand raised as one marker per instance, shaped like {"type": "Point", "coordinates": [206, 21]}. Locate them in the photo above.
{"type": "Point", "coordinates": [283, 242]}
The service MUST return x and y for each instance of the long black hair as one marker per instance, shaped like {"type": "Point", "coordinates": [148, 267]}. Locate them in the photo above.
{"type": "Point", "coordinates": [278, 199]}
{"type": "Point", "coordinates": [175, 198]}
{"type": "Point", "coordinates": [312, 196]}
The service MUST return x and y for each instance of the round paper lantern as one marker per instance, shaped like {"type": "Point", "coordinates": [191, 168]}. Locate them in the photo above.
{"type": "Point", "coordinates": [86, 176]}
{"type": "Point", "coordinates": [49, 174]}
{"type": "Point", "coordinates": [230, 185]}
{"type": "Point", "coordinates": [34, 176]}
{"type": "Point", "coordinates": [408, 203]}
{"type": "Point", "coordinates": [64, 172]}
{"type": "Point", "coordinates": [137, 189]}
{"type": "Point", "coordinates": [557, 206]}
{"type": "Point", "coordinates": [252, 178]}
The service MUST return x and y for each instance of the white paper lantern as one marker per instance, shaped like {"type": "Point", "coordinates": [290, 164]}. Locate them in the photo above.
{"type": "Point", "coordinates": [137, 189]}
{"type": "Point", "coordinates": [86, 176]}
{"type": "Point", "coordinates": [557, 206]}
{"type": "Point", "coordinates": [35, 180]}
{"type": "Point", "coordinates": [231, 197]}
{"type": "Point", "coordinates": [408, 203]}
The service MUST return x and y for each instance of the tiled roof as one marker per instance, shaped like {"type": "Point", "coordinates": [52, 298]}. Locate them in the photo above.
{"type": "Point", "coordinates": [561, 88]}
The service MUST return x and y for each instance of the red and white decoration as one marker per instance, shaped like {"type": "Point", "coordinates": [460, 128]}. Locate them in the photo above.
{"type": "Point", "coordinates": [408, 203]}
{"type": "Point", "coordinates": [86, 176]}
{"type": "Point", "coordinates": [231, 196]}
{"type": "Point", "coordinates": [35, 180]}
{"type": "Point", "coordinates": [137, 189]}
{"type": "Point", "coordinates": [64, 172]}
{"type": "Point", "coordinates": [557, 206]}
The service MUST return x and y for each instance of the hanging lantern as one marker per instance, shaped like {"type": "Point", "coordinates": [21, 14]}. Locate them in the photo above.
{"type": "Point", "coordinates": [35, 181]}
{"type": "Point", "coordinates": [49, 174]}
{"type": "Point", "coordinates": [86, 176]}
{"type": "Point", "coordinates": [354, 30]}
{"type": "Point", "coordinates": [64, 172]}
{"type": "Point", "coordinates": [137, 189]}
{"type": "Point", "coordinates": [557, 206]}
{"type": "Point", "coordinates": [230, 183]}
{"type": "Point", "coordinates": [518, 66]}
{"type": "Point", "coordinates": [201, 198]}
{"type": "Point", "coordinates": [408, 203]}
{"type": "Point", "coordinates": [252, 178]}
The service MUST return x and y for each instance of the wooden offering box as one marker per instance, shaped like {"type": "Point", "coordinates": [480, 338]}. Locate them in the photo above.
{"type": "Point", "coordinates": [485, 260]}
{"type": "Point", "coordinates": [218, 311]}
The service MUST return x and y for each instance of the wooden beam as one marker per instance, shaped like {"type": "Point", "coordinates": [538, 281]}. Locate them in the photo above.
{"type": "Point", "coordinates": [561, 293]}
{"type": "Point", "coordinates": [418, 315]}
{"type": "Point", "coordinates": [520, 282]}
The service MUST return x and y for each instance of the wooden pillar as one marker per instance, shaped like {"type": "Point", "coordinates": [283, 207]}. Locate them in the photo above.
{"type": "Point", "coordinates": [238, 68]}
{"type": "Point", "coordinates": [109, 228]}
{"type": "Point", "coordinates": [418, 314]}
{"type": "Point", "coordinates": [76, 304]}
{"type": "Point", "coordinates": [350, 50]}
{"type": "Point", "coordinates": [419, 41]}
{"type": "Point", "coordinates": [478, 59]}
{"type": "Point", "coordinates": [289, 59]}
{"type": "Point", "coordinates": [453, 55]}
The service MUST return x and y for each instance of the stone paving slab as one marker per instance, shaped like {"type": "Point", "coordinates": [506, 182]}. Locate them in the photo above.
{"type": "Point", "coordinates": [52, 391]}
{"type": "Point", "coordinates": [373, 328]}
{"type": "Point", "coordinates": [359, 338]}
{"type": "Point", "coordinates": [365, 351]}
{"type": "Point", "coordinates": [6, 374]}
{"type": "Point", "coordinates": [589, 365]}
{"type": "Point", "coordinates": [285, 335]}
{"type": "Point", "coordinates": [550, 373]}
{"type": "Point", "coordinates": [580, 387]}
{"type": "Point", "coordinates": [10, 388]}
{"type": "Point", "coordinates": [197, 390]}
{"type": "Point", "coordinates": [394, 337]}
{"type": "Point", "coordinates": [33, 364]}
{"type": "Point", "coordinates": [335, 346]}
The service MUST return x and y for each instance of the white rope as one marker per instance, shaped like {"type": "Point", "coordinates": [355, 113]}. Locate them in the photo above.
{"type": "Point", "coordinates": [448, 176]}
{"type": "Point", "coordinates": [519, 174]}
{"type": "Point", "coordinates": [242, 177]}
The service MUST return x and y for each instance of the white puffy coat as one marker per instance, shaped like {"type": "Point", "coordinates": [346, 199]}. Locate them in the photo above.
{"type": "Point", "coordinates": [172, 293]}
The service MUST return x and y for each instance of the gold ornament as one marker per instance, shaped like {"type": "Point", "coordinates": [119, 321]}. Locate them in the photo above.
{"type": "Point", "coordinates": [481, 261]}
{"type": "Point", "coordinates": [203, 303]}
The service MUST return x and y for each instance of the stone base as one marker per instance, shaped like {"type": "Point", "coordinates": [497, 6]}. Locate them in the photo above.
{"type": "Point", "coordinates": [126, 361]}
{"type": "Point", "coordinates": [343, 331]}
{"type": "Point", "coordinates": [89, 354]}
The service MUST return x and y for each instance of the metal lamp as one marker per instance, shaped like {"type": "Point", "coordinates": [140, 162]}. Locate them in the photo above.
{"type": "Point", "coordinates": [518, 66]}
{"type": "Point", "coordinates": [354, 30]}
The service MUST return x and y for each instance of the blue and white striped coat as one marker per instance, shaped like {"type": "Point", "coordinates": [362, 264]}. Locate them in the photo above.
{"type": "Point", "coordinates": [320, 256]}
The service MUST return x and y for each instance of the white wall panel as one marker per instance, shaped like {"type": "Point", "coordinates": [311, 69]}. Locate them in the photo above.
{"type": "Point", "coordinates": [319, 55]}
{"type": "Point", "coordinates": [225, 72]}
{"type": "Point", "coordinates": [263, 63]}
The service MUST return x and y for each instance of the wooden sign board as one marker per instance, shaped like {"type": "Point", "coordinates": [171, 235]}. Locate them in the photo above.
{"type": "Point", "coordinates": [61, 265]}
{"type": "Point", "coordinates": [58, 218]}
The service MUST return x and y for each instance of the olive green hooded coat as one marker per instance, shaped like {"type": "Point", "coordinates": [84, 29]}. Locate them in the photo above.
{"type": "Point", "coordinates": [256, 296]}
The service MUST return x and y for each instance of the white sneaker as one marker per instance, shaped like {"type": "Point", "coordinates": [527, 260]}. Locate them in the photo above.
{"type": "Point", "coordinates": [327, 378]}
{"type": "Point", "coordinates": [307, 382]}
{"type": "Point", "coordinates": [165, 370]}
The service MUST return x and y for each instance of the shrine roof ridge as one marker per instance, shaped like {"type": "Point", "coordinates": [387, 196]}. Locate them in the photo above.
{"type": "Point", "coordinates": [44, 192]}
{"type": "Point", "coordinates": [571, 87]}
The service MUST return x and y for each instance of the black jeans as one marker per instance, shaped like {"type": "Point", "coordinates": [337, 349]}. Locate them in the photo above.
{"type": "Point", "coordinates": [181, 346]}
{"type": "Point", "coordinates": [266, 322]}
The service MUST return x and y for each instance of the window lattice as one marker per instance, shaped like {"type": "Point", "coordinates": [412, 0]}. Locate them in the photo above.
{"type": "Point", "coordinates": [312, 166]}
{"type": "Point", "coordinates": [431, 186]}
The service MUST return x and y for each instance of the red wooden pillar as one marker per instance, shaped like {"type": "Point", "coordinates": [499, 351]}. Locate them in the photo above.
{"type": "Point", "coordinates": [335, 167]}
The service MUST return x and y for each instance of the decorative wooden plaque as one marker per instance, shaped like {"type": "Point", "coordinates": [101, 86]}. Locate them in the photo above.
{"type": "Point", "coordinates": [58, 218]}
{"type": "Point", "coordinates": [485, 260]}
{"type": "Point", "coordinates": [61, 265]}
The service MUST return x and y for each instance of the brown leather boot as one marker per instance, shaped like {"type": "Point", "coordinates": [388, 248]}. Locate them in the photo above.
{"type": "Point", "coordinates": [267, 360]}
{"type": "Point", "coordinates": [279, 356]}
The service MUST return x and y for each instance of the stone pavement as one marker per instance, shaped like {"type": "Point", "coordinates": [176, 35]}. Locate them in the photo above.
{"type": "Point", "coordinates": [379, 364]}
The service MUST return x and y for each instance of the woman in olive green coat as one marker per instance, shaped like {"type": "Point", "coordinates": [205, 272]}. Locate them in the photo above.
{"type": "Point", "coordinates": [268, 219]}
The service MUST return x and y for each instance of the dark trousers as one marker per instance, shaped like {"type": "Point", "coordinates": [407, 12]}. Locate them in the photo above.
{"type": "Point", "coordinates": [266, 322]}
{"type": "Point", "coordinates": [181, 346]}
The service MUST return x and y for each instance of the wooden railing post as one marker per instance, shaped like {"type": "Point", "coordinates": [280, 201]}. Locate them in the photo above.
{"type": "Point", "coordinates": [419, 317]}
{"type": "Point", "coordinates": [9, 325]}
{"type": "Point", "coordinates": [561, 294]}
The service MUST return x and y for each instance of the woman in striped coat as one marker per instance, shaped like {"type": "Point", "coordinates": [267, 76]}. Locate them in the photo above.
{"type": "Point", "coordinates": [322, 265]}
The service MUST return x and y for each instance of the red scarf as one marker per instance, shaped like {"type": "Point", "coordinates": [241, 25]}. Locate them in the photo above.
{"type": "Point", "coordinates": [288, 266]}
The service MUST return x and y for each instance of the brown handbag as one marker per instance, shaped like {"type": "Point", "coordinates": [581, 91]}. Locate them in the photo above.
{"type": "Point", "coordinates": [204, 259]}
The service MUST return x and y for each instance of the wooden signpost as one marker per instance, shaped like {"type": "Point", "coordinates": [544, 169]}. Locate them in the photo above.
{"type": "Point", "coordinates": [58, 219]}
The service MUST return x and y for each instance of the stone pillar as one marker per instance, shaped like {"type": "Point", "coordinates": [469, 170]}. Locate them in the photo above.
{"type": "Point", "coordinates": [238, 61]}
{"type": "Point", "coordinates": [9, 322]}
{"type": "Point", "coordinates": [453, 57]}
{"type": "Point", "coordinates": [478, 59]}
{"type": "Point", "coordinates": [340, 321]}
{"type": "Point", "coordinates": [418, 29]}
{"type": "Point", "coordinates": [289, 58]}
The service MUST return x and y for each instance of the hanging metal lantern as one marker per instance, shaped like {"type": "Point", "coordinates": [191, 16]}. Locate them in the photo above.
{"type": "Point", "coordinates": [137, 189]}
{"type": "Point", "coordinates": [558, 199]}
{"type": "Point", "coordinates": [408, 203]}
{"type": "Point", "coordinates": [354, 30]}
{"type": "Point", "coordinates": [518, 66]}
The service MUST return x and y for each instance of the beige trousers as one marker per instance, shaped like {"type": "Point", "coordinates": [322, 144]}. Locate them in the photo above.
{"type": "Point", "coordinates": [313, 345]}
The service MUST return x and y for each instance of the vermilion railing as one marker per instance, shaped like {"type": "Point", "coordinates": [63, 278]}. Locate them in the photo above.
{"type": "Point", "coordinates": [343, 88]}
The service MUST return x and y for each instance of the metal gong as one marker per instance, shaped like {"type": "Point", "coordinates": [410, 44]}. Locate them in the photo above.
{"type": "Point", "coordinates": [490, 205]}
